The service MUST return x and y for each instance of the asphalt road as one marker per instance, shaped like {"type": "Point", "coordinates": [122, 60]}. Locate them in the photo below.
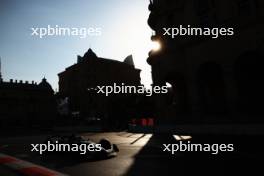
{"type": "Point", "coordinates": [142, 154]}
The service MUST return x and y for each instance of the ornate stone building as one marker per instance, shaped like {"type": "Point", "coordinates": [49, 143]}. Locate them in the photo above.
{"type": "Point", "coordinates": [26, 104]}
{"type": "Point", "coordinates": [213, 80]}
{"type": "Point", "coordinates": [78, 81]}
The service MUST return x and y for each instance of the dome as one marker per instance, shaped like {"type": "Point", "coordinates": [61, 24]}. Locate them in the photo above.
{"type": "Point", "coordinates": [45, 85]}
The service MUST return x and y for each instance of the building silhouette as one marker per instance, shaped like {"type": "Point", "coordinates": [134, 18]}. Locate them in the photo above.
{"type": "Point", "coordinates": [79, 81]}
{"type": "Point", "coordinates": [1, 79]}
{"type": "Point", "coordinates": [26, 104]}
{"type": "Point", "coordinates": [213, 80]}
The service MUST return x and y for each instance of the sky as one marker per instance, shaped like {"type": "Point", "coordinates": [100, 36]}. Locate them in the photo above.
{"type": "Point", "coordinates": [124, 31]}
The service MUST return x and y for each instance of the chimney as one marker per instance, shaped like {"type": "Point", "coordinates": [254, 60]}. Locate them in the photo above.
{"type": "Point", "coordinates": [11, 80]}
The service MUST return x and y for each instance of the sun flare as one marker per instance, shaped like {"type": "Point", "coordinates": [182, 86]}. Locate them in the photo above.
{"type": "Point", "coordinates": [156, 46]}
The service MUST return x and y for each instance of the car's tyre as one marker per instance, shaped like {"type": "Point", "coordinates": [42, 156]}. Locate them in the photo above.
{"type": "Point", "coordinates": [116, 149]}
{"type": "Point", "coordinates": [105, 144]}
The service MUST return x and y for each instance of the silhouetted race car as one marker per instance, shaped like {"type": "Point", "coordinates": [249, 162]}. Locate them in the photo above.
{"type": "Point", "coordinates": [78, 146]}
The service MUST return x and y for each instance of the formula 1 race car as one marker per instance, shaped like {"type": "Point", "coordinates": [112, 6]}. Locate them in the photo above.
{"type": "Point", "coordinates": [78, 146]}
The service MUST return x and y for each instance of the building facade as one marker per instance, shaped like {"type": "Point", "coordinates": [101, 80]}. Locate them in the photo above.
{"type": "Point", "coordinates": [213, 80]}
{"type": "Point", "coordinates": [26, 104]}
{"type": "Point", "coordinates": [78, 83]}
